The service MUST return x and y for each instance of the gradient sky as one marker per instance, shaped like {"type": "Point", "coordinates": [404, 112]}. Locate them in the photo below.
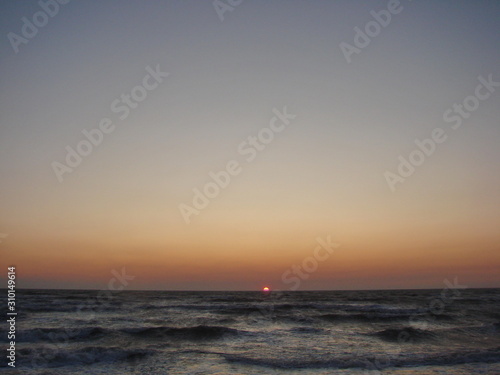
{"type": "Point", "coordinates": [323, 175]}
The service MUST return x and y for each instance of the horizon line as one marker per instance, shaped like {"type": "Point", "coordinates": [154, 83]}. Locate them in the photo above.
{"type": "Point", "coordinates": [244, 291]}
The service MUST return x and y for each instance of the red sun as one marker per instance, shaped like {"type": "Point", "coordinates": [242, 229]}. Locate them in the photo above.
{"type": "Point", "coordinates": [266, 289]}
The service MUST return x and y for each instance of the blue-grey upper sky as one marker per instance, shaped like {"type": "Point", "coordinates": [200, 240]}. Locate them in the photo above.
{"type": "Point", "coordinates": [335, 169]}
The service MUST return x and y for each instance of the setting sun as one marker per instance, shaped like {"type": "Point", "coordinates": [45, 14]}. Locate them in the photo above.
{"type": "Point", "coordinates": [266, 289]}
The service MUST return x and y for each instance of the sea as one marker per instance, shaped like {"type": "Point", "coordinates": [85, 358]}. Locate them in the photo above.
{"type": "Point", "coordinates": [397, 332]}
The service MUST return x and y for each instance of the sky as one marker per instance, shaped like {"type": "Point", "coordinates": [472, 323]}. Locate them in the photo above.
{"type": "Point", "coordinates": [308, 114]}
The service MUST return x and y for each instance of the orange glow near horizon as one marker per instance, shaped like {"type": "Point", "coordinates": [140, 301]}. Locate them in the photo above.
{"type": "Point", "coordinates": [353, 265]}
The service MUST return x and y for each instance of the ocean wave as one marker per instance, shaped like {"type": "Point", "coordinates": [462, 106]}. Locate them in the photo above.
{"type": "Point", "coordinates": [369, 362]}
{"type": "Point", "coordinates": [82, 307]}
{"type": "Point", "coordinates": [61, 334]}
{"type": "Point", "coordinates": [404, 334]}
{"type": "Point", "coordinates": [201, 332]}
{"type": "Point", "coordinates": [381, 317]}
{"type": "Point", "coordinates": [311, 330]}
{"type": "Point", "coordinates": [465, 332]}
{"type": "Point", "coordinates": [292, 319]}
{"type": "Point", "coordinates": [362, 317]}
{"type": "Point", "coordinates": [45, 357]}
{"type": "Point", "coordinates": [233, 299]}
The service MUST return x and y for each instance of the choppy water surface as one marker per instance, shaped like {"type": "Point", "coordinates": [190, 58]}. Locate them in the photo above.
{"type": "Point", "coordinates": [395, 332]}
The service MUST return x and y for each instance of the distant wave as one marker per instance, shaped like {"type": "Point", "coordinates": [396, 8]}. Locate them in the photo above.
{"type": "Point", "coordinates": [74, 307]}
{"type": "Point", "coordinates": [308, 330]}
{"type": "Point", "coordinates": [344, 362]}
{"type": "Point", "coordinates": [61, 334]}
{"type": "Point", "coordinates": [408, 334]}
{"type": "Point", "coordinates": [98, 354]}
{"type": "Point", "coordinates": [379, 317]}
{"type": "Point", "coordinates": [30, 357]}
{"type": "Point", "coordinates": [200, 332]}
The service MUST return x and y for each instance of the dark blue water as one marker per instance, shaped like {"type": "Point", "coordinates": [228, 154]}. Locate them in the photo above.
{"type": "Point", "coordinates": [351, 332]}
